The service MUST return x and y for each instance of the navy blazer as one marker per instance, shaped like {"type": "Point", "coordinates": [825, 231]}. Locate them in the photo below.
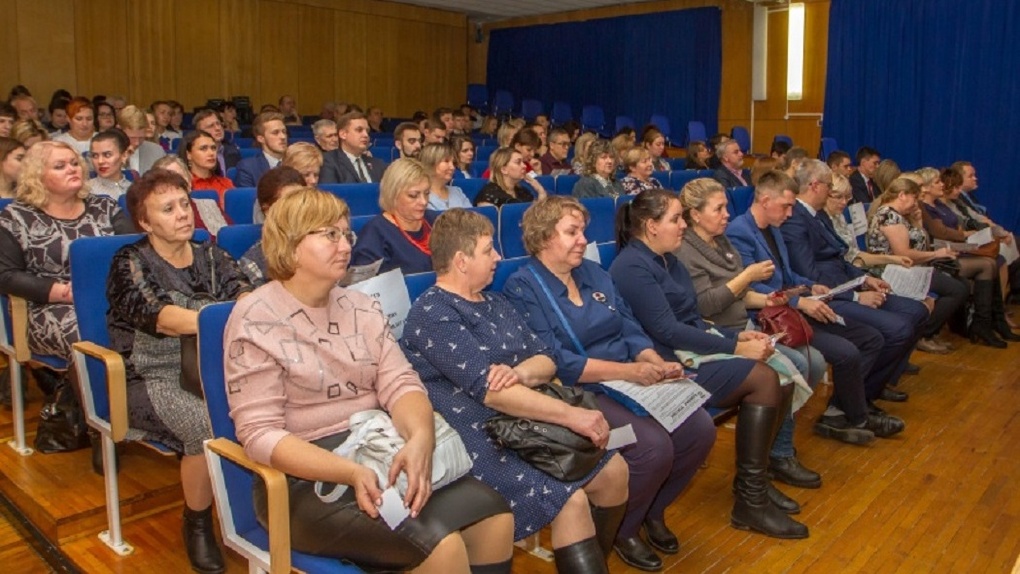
{"type": "Point", "coordinates": [860, 188]}
{"type": "Point", "coordinates": [336, 168]}
{"type": "Point", "coordinates": [231, 154]}
{"type": "Point", "coordinates": [728, 180]}
{"type": "Point", "coordinates": [815, 251]}
{"type": "Point", "coordinates": [748, 240]}
{"type": "Point", "coordinates": [250, 170]}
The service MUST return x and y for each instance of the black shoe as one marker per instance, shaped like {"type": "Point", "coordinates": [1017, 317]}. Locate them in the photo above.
{"type": "Point", "coordinates": [607, 522]}
{"type": "Point", "coordinates": [661, 537]}
{"type": "Point", "coordinates": [911, 369]}
{"type": "Point", "coordinates": [781, 501]}
{"type": "Point", "coordinates": [200, 540]}
{"type": "Point", "coordinates": [874, 409]}
{"type": "Point", "coordinates": [636, 553]}
{"type": "Point", "coordinates": [839, 428]}
{"type": "Point", "coordinates": [789, 470]}
{"type": "Point", "coordinates": [986, 337]}
{"type": "Point", "coordinates": [885, 426]}
{"type": "Point", "coordinates": [582, 557]}
{"type": "Point", "coordinates": [893, 396]}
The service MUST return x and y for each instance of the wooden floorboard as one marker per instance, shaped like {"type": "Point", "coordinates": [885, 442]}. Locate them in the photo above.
{"type": "Point", "coordinates": [941, 497]}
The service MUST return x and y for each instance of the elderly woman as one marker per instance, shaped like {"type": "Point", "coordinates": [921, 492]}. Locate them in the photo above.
{"type": "Point", "coordinates": [508, 171]}
{"type": "Point", "coordinates": [505, 362]}
{"type": "Point", "coordinates": [581, 150]}
{"type": "Point", "coordinates": [273, 185]}
{"type": "Point", "coordinates": [82, 127]}
{"type": "Point", "coordinates": [29, 132]}
{"type": "Point", "coordinates": [464, 154]}
{"type": "Point", "coordinates": [198, 149]}
{"type": "Point", "coordinates": [11, 155]}
{"type": "Point", "coordinates": [653, 141]}
{"type": "Point", "coordinates": [208, 213]}
{"type": "Point", "coordinates": [573, 306]}
{"type": "Point", "coordinates": [438, 160]}
{"type": "Point", "coordinates": [156, 288]}
{"type": "Point", "coordinates": [400, 235]}
{"type": "Point", "coordinates": [638, 163]}
{"type": "Point", "coordinates": [893, 230]}
{"type": "Point", "coordinates": [600, 180]}
{"type": "Point", "coordinates": [110, 151]}
{"type": "Point", "coordinates": [698, 155]}
{"type": "Point", "coordinates": [106, 116]}
{"type": "Point", "coordinates": [288, 419]}
{"type": "Point", "coordinates": [663, 297]}
{"type": "Point", "coordinates": [307, 159]}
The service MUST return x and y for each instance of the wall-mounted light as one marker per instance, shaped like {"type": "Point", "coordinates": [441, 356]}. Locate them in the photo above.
{"type": "Point", "coordinates": [795, 53]}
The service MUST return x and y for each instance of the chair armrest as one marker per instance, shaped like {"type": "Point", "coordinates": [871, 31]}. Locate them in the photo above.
{"type": "Point", "coordinates": [19, 329]}
{"type": "Point", "coordinates": [116, 385]}
{"type": "Point", "coordinates": [277, 500]}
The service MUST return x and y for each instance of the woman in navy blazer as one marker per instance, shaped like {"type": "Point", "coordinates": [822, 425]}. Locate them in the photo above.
{"type": "Point", "coordinates": [661, 294]}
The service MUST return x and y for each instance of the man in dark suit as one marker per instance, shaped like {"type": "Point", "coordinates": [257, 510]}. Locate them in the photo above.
{"type": "Point", "coordinates": [271, 137]}
{"type": "Point", "coordinates": [349, 164]}
{"type": "Point", "coordinates": [731, 172]}
{"type": "Point", "coordinates": [851, 350]}
{"type": "Point", "coordinates": [864, 189]}
{"type": "Point", "coordinates": [228, 155]}
{"type": "Point", "coordinates": [817, 252]}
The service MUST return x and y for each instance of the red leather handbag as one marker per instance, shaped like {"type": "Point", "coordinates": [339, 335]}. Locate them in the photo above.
{"type": "Point", "coordinates": [784, 319]}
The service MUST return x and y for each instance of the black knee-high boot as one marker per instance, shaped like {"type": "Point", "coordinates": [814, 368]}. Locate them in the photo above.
{"type": "Point", "coordinates": [584, 557]}
{"type": "Point", "coordinates": [982, 327]}
{"type": "Point", "coordinates": [607, 521]}
{"type": "Point", "coordinates": [776, 496]}
{"type": "Point", "coordinates": [500, 568]}
{"type": "Point", "coordinates": [999, 324]}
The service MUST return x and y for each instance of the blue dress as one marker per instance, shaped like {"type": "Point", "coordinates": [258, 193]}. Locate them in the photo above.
{"type": "Point", "coordinates": [452, 342]}
{"type": "Point", "coordinates": [382, 239]}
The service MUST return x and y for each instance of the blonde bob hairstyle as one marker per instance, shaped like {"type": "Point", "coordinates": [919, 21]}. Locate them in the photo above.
{"type": "Point", "coordinates": [399, 176]}
{"type": "Point", "coordinates": [292, 218]}
{"type": "Point", "coordinates": [456, 230]}
{"type": "Point", "coordinates": [695, 195]}
{"type": "Point", "coordinates": [539, 222]}
{"type": "Point", "coordinates": [30, 188]}
{"type": "Point", "coordinates": [303, 157]}
{"type": "Point", "coordinates": [633, 156]}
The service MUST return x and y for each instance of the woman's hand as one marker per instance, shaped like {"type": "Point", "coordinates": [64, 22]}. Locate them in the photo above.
{"type": "Point", "coordinates": [501, 377]}
{"type": "Point", "coordinates": [819, 289]}
{"type": "Point", "coordinates": [752, 336]}
{"type": "Point", "coordinates": [533, 182]}
{"type": "Point", "coordinates": [945, 253]}
{"type": "Point", "coordinates": [776, 299]}
{"type": "Point", "coordinates": [817, 310]}
{"type": "Point", "coordinates": [760, 271]}
{"type": "Point", "coordinates": [589, 423]}
{"type": "Point", "coordinates": [642, 373]}
{"type": "Point", "coordinates": [61, 293]}
{"type": "Point", "coordinates": [366, 490]}
{"type": "Point", "coordinates": [415, 460]}
{"type": "Point", "coordinates": [901, 260]}
{"type": "Point", "coordinates": [757, 349]}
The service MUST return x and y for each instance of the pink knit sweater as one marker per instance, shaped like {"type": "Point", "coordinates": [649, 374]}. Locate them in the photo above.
{"type": "Point", "coordinates": [299, 370]}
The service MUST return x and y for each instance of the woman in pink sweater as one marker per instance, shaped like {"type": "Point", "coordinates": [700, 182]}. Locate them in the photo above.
{"type": "Point", "coordinates": [303, 355]}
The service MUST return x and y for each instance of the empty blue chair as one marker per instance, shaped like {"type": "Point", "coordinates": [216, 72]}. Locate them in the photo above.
{"type": "Point", "coordinates": [740, 199]}
{"type": "Point", "coordinates": [827, 146]}
{"type": "Point", "coordinates": [593, 118]}
{"type": "Point", "coordinates": [247, 152]}
{"type": "Point", "coordinates": [511, 238]}
{"type": "Point", "coordinates": [383, 152]}
{"type": "Point", "coordinates": [478, 97]}
{"type": "Point", "coordinates": [237, 239]}
{"type": "Point", "coordinates": [483, 152]}
{"type": "Point", "coordinates": [678, 179]}
{"type": "Point", "coordinates": [743, 139]}
{"type": "Point", "coordinates": [783, 138]}
{"type": "Point", "coordinates": [607, 253]}
{"type": "Point", "coordinates": [565, 183]}
{"type": "Point", "coordinates": [547, 181]}
{"type": "Point", "coordinates": [662, 122]}
{"type": "Point", "coordinates": [603, 213]}
{"type": "Point", "coordinates": [503, 103]}
{"type": "Point", "coordinates": [530, 109]}
{"type": "Point", "coordinates": [561, 113]}
{"type": "Point", "coordinates": [232, 174]}
{"type": "Point", "coordinates": [362, 198]}
{"type": "Point", "coordinates": [662, 177]}
{"type": "Point", "coordinates": [504, 269]}
{"type": "Point", "coordinates": [419, 283]}
{"type": "Point", "coordinates": [696, 131]}
{"type": "Point", "coordinates": [624, 122]}
{"type": "Point", "coordinates": [239, 204]}
{"type": "Point", "coordinates": [233, 473]}
{"type": "Point", "coordinates": [677, 163]}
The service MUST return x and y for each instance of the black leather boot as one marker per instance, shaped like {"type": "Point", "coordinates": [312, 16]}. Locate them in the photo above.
{"type": "Point", "coordinates": [607, 521]}
{"type": "Point", "coordinates": [981, 327]}
{"type": "Point", "coordinates": [200, 540]}
{"type": "Point", "coordinates": [500, 568]}
{"type": "Point", "coordinates": [584, 557]}
{"type": "Point", "coordinates": [752, 509]}
{"type": "Point", "coordinates": [999, 324]}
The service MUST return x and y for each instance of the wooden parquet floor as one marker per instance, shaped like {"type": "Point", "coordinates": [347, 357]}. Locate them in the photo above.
{"type": "Point", "coordinates": [941, 497]}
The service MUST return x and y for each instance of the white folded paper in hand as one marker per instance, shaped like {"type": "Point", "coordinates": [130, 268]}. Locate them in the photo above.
{"type": "Point", "coordinates": [981, 237]}
{"type": "Point", "coordinates": [848, 286]}
{"type": "Point", "coordinates": [392, 510]}
{"type": "Point", "coordinates": [913, 282]}
{"type": "Point", "coordinates": [1009, 251]}
{"type": "Point", "coordinates": [621, 437]}
{"type": "Point", "coordinates": [359, 273]}
{"type": "Point", "coordinates": [391, 292]}
{"type": "Point", "coordinates": [669, 402]}
{"type": "Point", "coordinates": [858, 218]}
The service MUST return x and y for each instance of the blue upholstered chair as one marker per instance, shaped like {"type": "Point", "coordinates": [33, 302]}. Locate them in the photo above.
{"type": "Point", "coordinates": [239, 204]}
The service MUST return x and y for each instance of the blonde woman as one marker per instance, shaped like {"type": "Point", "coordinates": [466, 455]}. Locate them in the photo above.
{"type": "Point", "coordinates": [307, 159]}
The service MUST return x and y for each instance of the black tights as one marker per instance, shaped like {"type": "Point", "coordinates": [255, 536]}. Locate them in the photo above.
{"type": "Point", "coordinates": [978, 268]}
{"type": "Point", "coordinates": [761, 387]}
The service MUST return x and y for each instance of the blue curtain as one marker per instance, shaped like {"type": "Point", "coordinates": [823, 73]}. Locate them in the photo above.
{"type": "Point", "coordinates": [665, 63]}
{"type": "Point", "coordinates": [927, 83]}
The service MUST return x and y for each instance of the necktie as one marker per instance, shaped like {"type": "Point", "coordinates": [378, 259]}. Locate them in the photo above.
{"type": "Point", "coordinates": [871, 189]}
{"type": "Point", "coordinates": [361, 170]}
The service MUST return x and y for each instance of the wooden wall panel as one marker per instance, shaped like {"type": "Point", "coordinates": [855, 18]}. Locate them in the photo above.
{"type": "Point", "coordinates": [9, 71]}
{"type": "Point", "coordinates": [315, 60]}
{"type": "Point", "coordinates": [240, 49]}
{"type": "Point", "coordinates": [101, 54]}
{"type": "Point", "coordinates": [279, 36]}
{"type": "Point", "coordinates": [46, 60]}
{"type": "Point", "coordinates": [151, 51]}
{"type": "Point", "coordinates": [352, 61]}
{"type": "Point", "coordinates": [198, 63]}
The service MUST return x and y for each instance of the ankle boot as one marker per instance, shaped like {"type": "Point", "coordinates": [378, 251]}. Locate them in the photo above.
{"type": "Point", "coordinates": [999, 324]}
{"type": "Point", "coordinates": [752, 509]}
{"type": "Point", "coordinates": [607, 521]}
{"type": "Point", "coordinates": [200, 540]}
{"type": "Point", "coordinates": [981, 327]}
{"type": "Point", "coordinates": [584, 557]}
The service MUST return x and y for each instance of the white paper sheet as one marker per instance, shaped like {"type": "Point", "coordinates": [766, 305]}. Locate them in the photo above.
{"type": "Point", "coordinates": [913, 282]}
{"type": "Point", "coordinates": [848, 286]}
{"type": "Point", "coordinates": [591, 253]}
{"type": "Point", "coordinates": [392, 510]}
{"type": "Point", "coordinates": [1009, 250]}
{"type": "Point", "coordinates": [391, 292]}
{"type": "Point", "coordinates": [955, 246]}
{"type": "Point", "coordinates": [358, 273]}
{"type": "Point", "coordinates": [981, 237]}
{"type": "Point", "coordinates": [858, 218]}
{"type": "Point", "coordinates": [670, 403]}
{"type": "Point", "coordinates": [621, 437]}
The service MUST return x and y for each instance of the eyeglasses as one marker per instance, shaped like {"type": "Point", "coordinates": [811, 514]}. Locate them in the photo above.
{"type": "Point", "coordinates": [839, 196]}
{"type": "Point", "coordinates": [333, 234]}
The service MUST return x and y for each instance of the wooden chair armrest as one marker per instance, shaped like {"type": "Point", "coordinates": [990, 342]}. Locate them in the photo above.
{"type": "Point", "coordinates": [19, 329]}
{"type": "Point", "coordinates": [116, 385]}
{"type": "Point", "coordinates": [277, 499]}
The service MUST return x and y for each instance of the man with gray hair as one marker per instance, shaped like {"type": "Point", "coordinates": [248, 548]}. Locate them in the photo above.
{"type": "Point", "coordinates": [325, 134]}
{"type": "Point", "coordinates": [731, 172]}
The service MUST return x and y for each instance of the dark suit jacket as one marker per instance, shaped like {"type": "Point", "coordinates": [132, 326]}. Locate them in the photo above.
{"type": "Point", "coordinates": [336, 168]}
{"type": "Point", "coordinates": [815, 251]}
{"type": "Point", "coordinates": [749, 242]}
{"type": "Point", "coordinates": [726, 177]}
{"type": "Point", "coordinates": [231, 154]}
{"type": "Point", "coordinates": [249, 170]}
{"type": "Point", "coordinates": [860, 188]}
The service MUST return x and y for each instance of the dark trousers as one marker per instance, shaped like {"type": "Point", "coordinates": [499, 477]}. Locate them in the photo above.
{"type": "Point", "coordinates": [952, 294]}
{"type": "Point", "coordinates": [661, 463]}
{"type": "Point", "coordinates": [852, 351]}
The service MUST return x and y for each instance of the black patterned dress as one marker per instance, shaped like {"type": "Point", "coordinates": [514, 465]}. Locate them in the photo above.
{"type": "Point", "coordinates": [34, 255]}
{"type": "Point", "coordinates": [140, 285]}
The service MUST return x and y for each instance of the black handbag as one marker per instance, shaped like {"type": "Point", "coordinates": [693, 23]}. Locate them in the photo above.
{"type": "Point", "coordinates": [551, 448]}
